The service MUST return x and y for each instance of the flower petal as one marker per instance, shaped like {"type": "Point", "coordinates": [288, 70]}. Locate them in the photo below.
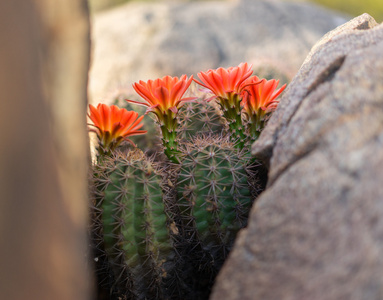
{"type": "Point", "coordinates": [143, 92]}
{"type": "Point", "coordinates": [162, 95]}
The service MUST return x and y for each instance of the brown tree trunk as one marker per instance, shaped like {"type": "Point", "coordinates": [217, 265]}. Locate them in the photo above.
{"type": "Point", "coordinates": [44, 62]}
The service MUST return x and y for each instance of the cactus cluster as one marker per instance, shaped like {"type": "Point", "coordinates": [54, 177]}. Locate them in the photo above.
{"type": "Point", "coordinates": [164, 227]}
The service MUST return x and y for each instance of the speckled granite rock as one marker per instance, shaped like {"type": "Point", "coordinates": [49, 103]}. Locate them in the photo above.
{"type": "Point", "coordinates": [317, 230]}
{"type": "Point", "coordinates": [149, 40]}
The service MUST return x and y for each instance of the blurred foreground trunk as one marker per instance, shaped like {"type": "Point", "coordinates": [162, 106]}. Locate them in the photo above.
{"type": "Point", "coordinates": [44, 61]}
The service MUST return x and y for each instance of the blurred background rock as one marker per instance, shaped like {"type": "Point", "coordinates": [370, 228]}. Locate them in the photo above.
{"type": "Point", "coordinates": [352, 7]}
{"type": "Point", "coordinates": [141, 40]}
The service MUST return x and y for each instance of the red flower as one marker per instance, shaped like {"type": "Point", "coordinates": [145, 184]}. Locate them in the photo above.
{"type": "Point", "coordinates": [260, 98]}
{"type": "Point", "coordinates": [225, 83]}
{"type": "Point", "coordinates": [114, 125]}
{"type": "Point", "coordinates": [163, 95]}
{"type": "Point", "coordinates": [259, 101]}
{"type": "Point", "coordinates": [164, 98]}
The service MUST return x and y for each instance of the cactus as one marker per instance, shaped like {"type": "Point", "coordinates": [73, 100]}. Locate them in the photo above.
{"type": "Point", "coordinates": [136, 229]}
{"type": "Point", "coordinates": [164, 233]}
{"type": "Point", "coordinates": [159, 249]}
{"type": "Point", "coordinates": [213, 196]}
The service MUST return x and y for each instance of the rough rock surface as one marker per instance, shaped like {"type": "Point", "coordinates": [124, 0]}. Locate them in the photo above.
{"type": "Point", "coordinates": [146, 41]}
{"type": "Point", "coordinates": [317, 230]}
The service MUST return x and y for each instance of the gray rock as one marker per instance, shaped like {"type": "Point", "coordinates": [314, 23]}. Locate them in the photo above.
{"type": "Point", "coordinates": [317, 230]}
{"type": "Point", "coordinates": [146, 41]}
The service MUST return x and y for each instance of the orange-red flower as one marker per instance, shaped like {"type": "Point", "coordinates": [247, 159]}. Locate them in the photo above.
{"type": "Point", "coordinates": [164, 98]}
{"type": "Point", "coordinates": [225, 83]}
{"type": "Point", "coordinates": [113, 125]}
{"type": "Point", "coordinates": [163, 94]}
{"type": "Point", "coordinates": [259, 100]}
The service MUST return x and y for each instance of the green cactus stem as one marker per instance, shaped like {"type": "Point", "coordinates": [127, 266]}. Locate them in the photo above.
{"type": "Point", "coordinates": [214, 197]}
{"type": "Point", "coordinates": [169, 128]}
{"type": "Point", "coordinates": [136, 228]}
{"type": "Point", "coordinates": [255, 124]}
{"type": "Point", "coordinates": [232, 112]}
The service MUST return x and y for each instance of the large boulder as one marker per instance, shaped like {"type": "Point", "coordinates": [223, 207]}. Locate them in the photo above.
{"type": "Point", "coordinates": [316, 232]}
{"type": "Point", "coordinates": [146, 41]}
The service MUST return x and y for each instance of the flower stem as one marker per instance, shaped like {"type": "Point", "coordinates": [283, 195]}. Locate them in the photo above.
{"type": "Point", "coordinates": [169, 137]}
{"type": "Point", "coordinates": [255, 124]}
{"type": "Point", "coordinates": [232, 112]}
